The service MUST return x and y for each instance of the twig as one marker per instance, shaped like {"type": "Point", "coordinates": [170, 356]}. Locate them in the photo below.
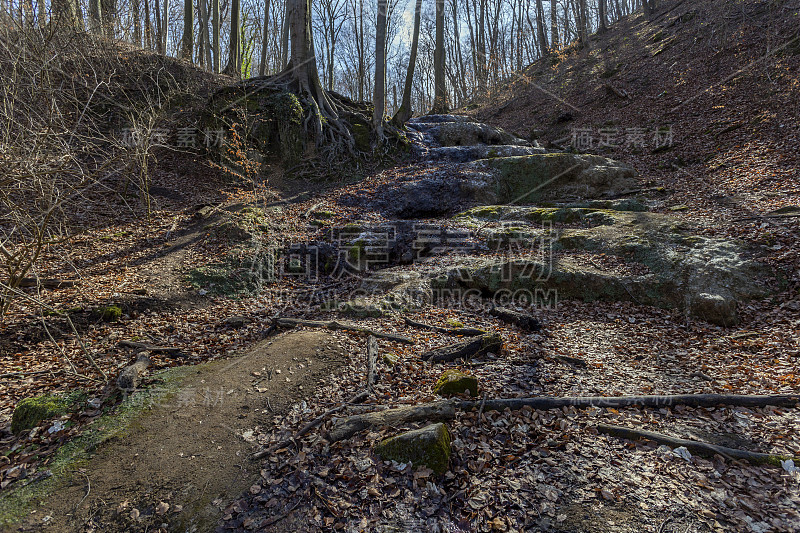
{"type": "Point", "coordinates": [360, 397]}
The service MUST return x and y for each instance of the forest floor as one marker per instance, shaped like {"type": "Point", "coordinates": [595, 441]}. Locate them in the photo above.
{"type": "Point", "coordinates": [733, 161]}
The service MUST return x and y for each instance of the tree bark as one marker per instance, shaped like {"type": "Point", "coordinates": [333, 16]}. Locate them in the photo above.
{"type": "Point", "coordinates": [234, 49]}
{"type": "Point", "coordinates": [379, 95]}
{"type": "Point", "coordinates": [215, 34]}
{"type": "Point", "coordinates": [262, 66]}
{"type": "Point", "coordinates": [435, 412]}
{"type": "Point", "coordinates": [440, 105]}
{"type": "Point", "coordinates": [187, 42]}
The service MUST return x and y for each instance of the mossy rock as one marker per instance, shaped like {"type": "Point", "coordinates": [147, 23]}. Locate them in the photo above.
{"type": "Point", "coordinates": [112, 313]}
{"type": "Point", "coordinates": [30, 412]}
{"type": "Point", "coordinates": [453, 382]}
{"type": "Point", "coordinates": [429, 446]}
{"type": "Point", "coordinates": [532, 178]}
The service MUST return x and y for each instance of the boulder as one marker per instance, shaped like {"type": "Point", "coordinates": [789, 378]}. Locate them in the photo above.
{"type": "Point", "coordinates": [429, 446]}
{"type": "Point", "coordinates": [715, 308]}
{"type": "Point", "coordinates": [532, 178]}
{"type": "Point", "coordinates": [453, 382]}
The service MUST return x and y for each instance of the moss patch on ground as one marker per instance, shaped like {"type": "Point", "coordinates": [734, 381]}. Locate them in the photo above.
{"type": "Point", "coordinates": [16, 503]}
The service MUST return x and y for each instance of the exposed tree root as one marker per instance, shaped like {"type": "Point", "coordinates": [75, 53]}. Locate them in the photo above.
{"type": "Point", "coordinates": [703, 449]}
{"type": "Point", "coordinates": [465, 332]}
{"type": "Point", "coordinates": [334, 325]}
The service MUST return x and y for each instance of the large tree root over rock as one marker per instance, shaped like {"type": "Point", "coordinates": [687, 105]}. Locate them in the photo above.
{"type": "Point", "coordinates": [444, 410]}
{"type": "Point", "coordinates": [297, 122]}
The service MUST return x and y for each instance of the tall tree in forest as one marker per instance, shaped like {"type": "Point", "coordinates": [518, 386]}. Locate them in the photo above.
{"type": "Point", "coordinates": [379, 98]}
{"type": "Point", "coordinates": [137, 22]}
{"type": "Point", "coordinates": [215, 34]}
{"type": "Point", "coordinates": [65, 14]}
{"type": "Point", "coordinates": [540, 34]}
{"type": "Point", "coordinates": [95, 23]}
{"type": "Point", "coordinates": [262, 64]}
{"type": "Point", "coordinates": [187, 42]}
{"type": "Point", "coordinates": [602, 19]}
{"type": "Point", "coordinates": [205, 41]}
{"type": "Point", "coordinates": [164, 27]}
{"type": "Point", "coordinates": [235, 48]}
{"type": "Point", "coordinates": [440, 90]}
{"type": "Point", "coordinates": [109, 17]}
{"type": "Point", "coordinates": [553, 25]}
{"type": "Point", "coordinates": [405, 112]}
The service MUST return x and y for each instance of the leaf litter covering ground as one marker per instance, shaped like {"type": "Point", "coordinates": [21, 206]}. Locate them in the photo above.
{"type": "Point", "coordinates": [509, 471]}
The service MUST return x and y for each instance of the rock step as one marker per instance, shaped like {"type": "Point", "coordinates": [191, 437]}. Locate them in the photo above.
{"type": "Point", "coordinates": [467, 154]}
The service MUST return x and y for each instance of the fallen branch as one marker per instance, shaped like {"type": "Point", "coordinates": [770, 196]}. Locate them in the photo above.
{"type": "Point", "coordinates": [689, 400]}
{"type": "Point", "coordinates": [465, 332]}
{"type": "Point", "coordinates": [146, 347]}
{"type": "Point", "coordinates": [488, 342]}
{"type": "Point", "coordinates": [435, 412]}
{"type": "Point", "coordinates": [47, 283]}
{"type": "Point", "coordinates": [523, 320]}
{"type": "Point", "coordinates": [360, 397]}
{"type": "Point", "coordinates": [703, 449]}
{"type": "Point", "coordinates": [572, 361]}
{"type": "Point", "coordinates": [334, 325]}
{"type": "Point", "coordinates": [372, 359]}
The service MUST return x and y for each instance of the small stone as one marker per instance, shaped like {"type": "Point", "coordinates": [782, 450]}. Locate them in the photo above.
{"type": "Point", "coordinates": [454, 382]}
{"type": "Point", "coordinates": [715, 308]}
{"type": "Point", "coordinates": [429, 446]}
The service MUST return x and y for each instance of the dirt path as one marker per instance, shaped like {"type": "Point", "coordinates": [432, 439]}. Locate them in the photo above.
{"type": "Point", "coordinates": [192, 450]}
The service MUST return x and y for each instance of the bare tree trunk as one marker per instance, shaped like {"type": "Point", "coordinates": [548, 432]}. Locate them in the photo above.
{"type": "Point", "coordinates": [440, 105]}
{"type": "Point", "coordinates": [159, 29]}
{"type": "Point", "coordinates": [379, 98]}
{"type": "Point", "coordinates": [405, 112]}
{"type": "Point", "coordinates": [109, 17]}
{"type": "Point", "coordinates": [285, 36]}
{"type": "Point", "coordinates": [148, 30]}
{"type": "Point", "coordinates": [95, 24]}
{"type": "Point", "coordinates": [234, 49]}
{"type": "Point", "coordinates": [543, 47]}
{"type": "Point", "coordinates": [215, 34]}
{"type": "Point", "coordinates": [187, 42]}
{"type": "Point", "coordinates": [601, 15]}
{"type": "Point", "coordinates": [205, 41]}
{"type": "Point", "coordinates": [65, 14]}
{"type": "Point", "coordinates": [136, 6]}
{"type": "Point", "coordinates": [165, 27]}
{"type": "Point", "coordinates": [262, 66]}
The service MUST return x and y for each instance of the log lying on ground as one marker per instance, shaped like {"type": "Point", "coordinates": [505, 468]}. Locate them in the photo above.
{"type": "Point", "coordinates": [372, 361]}
{"type": "Point", "coordinates": [524, 321]}
{"type": "Point", "coordinates": [47, 283]}
{"type": "Point", "coordinates": [689, 400]}
{"type": "Point", "coordinates": [464, 332]}
{"type": "Point", "coordinates": [131, 376]}
{"type": "Point", "coordinates": [434, 412]}
{"type": "Point", "coordinates": [146, 347]}
{"type": "Point", "coordinates": [488, 342]}
{"type": "Point", "coordinates": [445, 410]}
{"type": "Point", "coordinates": [703, 449]}
{"type": "Point", "coordinates": [334, 325]}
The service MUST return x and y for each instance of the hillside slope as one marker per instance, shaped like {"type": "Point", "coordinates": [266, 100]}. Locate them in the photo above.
{"type": "Point", "coordinates": [722, 74]}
